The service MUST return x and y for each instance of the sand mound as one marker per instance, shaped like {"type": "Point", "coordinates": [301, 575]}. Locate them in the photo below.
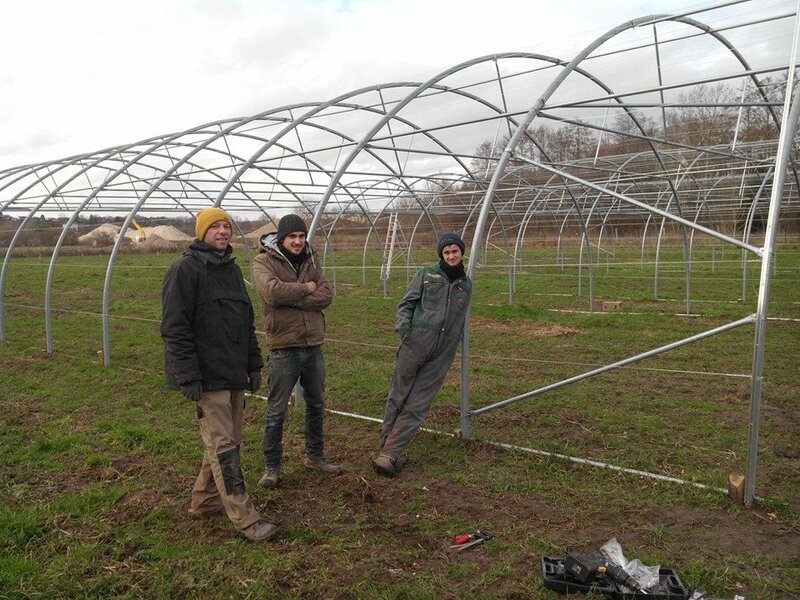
{"type": "Point", "coordinates": [104, 231]}
{"type": "Point", "coordinates": [155, 243]}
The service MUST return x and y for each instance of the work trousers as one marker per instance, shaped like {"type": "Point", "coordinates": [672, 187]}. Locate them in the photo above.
{"type": "Point", "coordinates": [220, 482]}
{"type": "Point", "coordinates": [286, 367]}
{"type": "Point", "coordinates": [416, 380]}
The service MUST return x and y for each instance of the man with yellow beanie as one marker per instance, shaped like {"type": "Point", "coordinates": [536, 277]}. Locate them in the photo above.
{"type": "Point", "coordinates": [212, 356]}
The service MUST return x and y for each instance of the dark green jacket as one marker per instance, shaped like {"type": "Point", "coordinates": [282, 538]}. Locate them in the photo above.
{"type": "Point", "coordinates": [433, 310]}
{"type": "Point", "coordinates": [207, 322]}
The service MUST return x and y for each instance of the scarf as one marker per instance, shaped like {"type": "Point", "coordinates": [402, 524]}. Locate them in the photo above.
{"type": "Point", "coordinates": [452, 273]}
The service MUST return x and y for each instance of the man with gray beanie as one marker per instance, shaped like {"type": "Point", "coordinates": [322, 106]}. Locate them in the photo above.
{"type": "Point", "coordinates": [294, 291]}
{"type": "Point", "coordinates": [430, 320]}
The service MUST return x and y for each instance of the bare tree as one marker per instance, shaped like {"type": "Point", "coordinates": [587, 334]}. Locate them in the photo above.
{"type": "Point", "coordinates": [703, 121]}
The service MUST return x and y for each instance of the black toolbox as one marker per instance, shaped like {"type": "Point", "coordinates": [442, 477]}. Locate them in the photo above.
{"type": "Point", "coordinates": [557, 579]}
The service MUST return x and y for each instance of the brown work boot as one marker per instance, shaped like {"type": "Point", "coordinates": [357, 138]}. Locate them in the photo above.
{"type": "Point", "coordinates": [206, 514]}
{"type": "Point", "coordinates": [260, 531]}
{"type": "Point", "coordinates": [270, 478]}
{"type": "Point", "coordinates": [385, 465]}
{"type": "Point", "coordinates": [320, 464]}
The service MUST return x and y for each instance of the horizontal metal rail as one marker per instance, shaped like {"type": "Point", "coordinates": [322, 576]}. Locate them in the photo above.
{"type": "Point", "coordinates": [711, 332]}
{"type": "Point", "coordinates": [668, 215]}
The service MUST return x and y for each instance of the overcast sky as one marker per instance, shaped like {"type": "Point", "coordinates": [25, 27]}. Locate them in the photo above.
{"type": "Point", "coordinates": [80, 75]}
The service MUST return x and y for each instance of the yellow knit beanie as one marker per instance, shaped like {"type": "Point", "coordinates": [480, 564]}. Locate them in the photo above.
{"type": "Point", "coordinates": [207, 217]}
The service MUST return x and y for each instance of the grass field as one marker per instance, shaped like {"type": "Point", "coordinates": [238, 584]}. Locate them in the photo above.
{"type": "Point", "coordinates": [96, 463]}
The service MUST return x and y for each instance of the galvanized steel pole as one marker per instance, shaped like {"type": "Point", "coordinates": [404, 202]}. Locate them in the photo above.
{"type": "Point", "coordinates": [788, 127]}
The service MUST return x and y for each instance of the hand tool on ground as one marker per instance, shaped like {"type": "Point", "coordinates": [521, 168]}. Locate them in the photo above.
{"type": "Point", "coordinates": [583, 567]}
{"type": "Point", "coordinates": [462, 542]}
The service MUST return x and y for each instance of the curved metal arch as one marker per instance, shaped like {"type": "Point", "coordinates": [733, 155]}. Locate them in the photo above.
{"type": "Point", "coordinates": [768, 177]}
{"type": "Point", "coordinates": [62, 236]}
{"type": "Point", "coordinates": [615, 203]}
{"type": "Point", "coordinates": [238, 123]}
{"type": "Point", "coordinates": [581, 220]}
{"type": "Point", "coordinates": [355, 198]}
{"type": "Point", "coordinates": [459, 179]}
{"type": "Point", "coordinates": [704, 204]}
{"type": "Point", "coordinates": [338, 101]}
{"type": "Point", "coordinates": [687, 254]}
{"type": "Point", "coordinates": [143, 199]}
{"type": "Point", "coordinates": [304, 118]}
{"type": "Point", "coordinates": [386, 120]}
{"type": "Point", "coordinates": [506, 156]}
{"type": "Point", "coordinates": [274, 141]}
{"type": "Point", "coordinates": [79, 209]}
{"type": "Point", "coordinates": [21, 174]}
{"type": "Point", "coordinates": [384, 181]}
{"type": "Point", "coordinates": [33, 211]}
{"type": "Point", "coordinates": [584, 54]}
{"type": "Point", "coordinates": [64, 163]}
{"type": "Point", "coordinates": [425, 212]}
{"type": "Point", "coordinates": [415, 94]}
{"type": "Point", "coordinates": [530, 211]}
{"type": "Point", "coordinates": [402, 187]}
{"type": "Point", "coordinates": [118, 242]}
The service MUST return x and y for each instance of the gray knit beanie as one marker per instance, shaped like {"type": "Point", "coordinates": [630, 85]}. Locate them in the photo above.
{"type": "Point", "coordinates": [289, 224]}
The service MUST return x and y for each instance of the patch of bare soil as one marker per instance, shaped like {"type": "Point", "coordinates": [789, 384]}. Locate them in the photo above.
{"type": "Point", "coordinates": [520, 327]}
{"type": "Point", "coordinates": [758, 534]}
{"type": "Point", "coordinates": [416, 512]}
{"type": "Point", "coordinates": [20, 363]}
{"type": "Point", "coordinates": [393, 530]}
{"type": "Point", "coordinates": [135, 505]}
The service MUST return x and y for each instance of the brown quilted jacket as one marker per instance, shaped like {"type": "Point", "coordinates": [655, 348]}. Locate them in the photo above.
{"type": "Point", "coordinates": [292, 317]}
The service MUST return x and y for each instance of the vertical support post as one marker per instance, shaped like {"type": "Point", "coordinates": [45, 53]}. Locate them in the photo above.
{"type": "Point", "coordinates": [660, 81]}
{"type": "Point", "coordinates": [465, 378]}
{"type": "Point", "coordinates": [789, 120]}
{"type": "Point", "coordinates": [739, 116]}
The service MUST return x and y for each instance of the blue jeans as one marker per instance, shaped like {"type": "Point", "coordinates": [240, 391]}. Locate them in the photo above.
{"type": "Point", "coordinates": [286, 366]}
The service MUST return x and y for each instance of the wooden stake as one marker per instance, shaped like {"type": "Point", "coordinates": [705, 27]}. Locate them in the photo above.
{"type": "Point", "coordinates": [736, 487]}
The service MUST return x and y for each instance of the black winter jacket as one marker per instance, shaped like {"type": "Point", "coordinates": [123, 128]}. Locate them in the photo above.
{"type": "Point", "coordinates": [207, 322]}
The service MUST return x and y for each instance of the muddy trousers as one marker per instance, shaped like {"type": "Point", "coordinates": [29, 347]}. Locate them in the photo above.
{"type": "Point", "coordinates": [414, 384]}
{"type": "Point", "coordinates": [220, 483]}
{"type": "Point", "coordinates": [287, 366]}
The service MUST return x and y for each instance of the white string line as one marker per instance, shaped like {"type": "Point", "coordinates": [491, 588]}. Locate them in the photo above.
{"type": "Point", "coordinates": [83, 312]}
{"type": "Point", "coordinates": [476, 356]}
{"type": "Point", "coordinates": [598, 313]}
{"type": "Point", "coordinates": [562, 310]}
{"type": "Point", "coordinates": [558, 362]}
{"type": "Point", "coordinates": [545, 453]}
{"type": "Point", "coordinates": [565, 264]}
{"type": "Point", "coordinates": [502, 445]}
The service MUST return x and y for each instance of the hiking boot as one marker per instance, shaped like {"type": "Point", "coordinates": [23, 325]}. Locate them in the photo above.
{"type": "Point", "coordinates": [260, 531]}
{"type": "Point", "coordinates": [320, 464]}
{"type": "Point", "coordinates": [205, 514]}
{"type": "Point", "coordinates": [385, 465]}
{"type": "Point", "coordinates": [270, 478]}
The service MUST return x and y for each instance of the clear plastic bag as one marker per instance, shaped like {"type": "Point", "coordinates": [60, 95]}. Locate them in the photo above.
{"type": "Point", "coordinates": [645, 576]}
